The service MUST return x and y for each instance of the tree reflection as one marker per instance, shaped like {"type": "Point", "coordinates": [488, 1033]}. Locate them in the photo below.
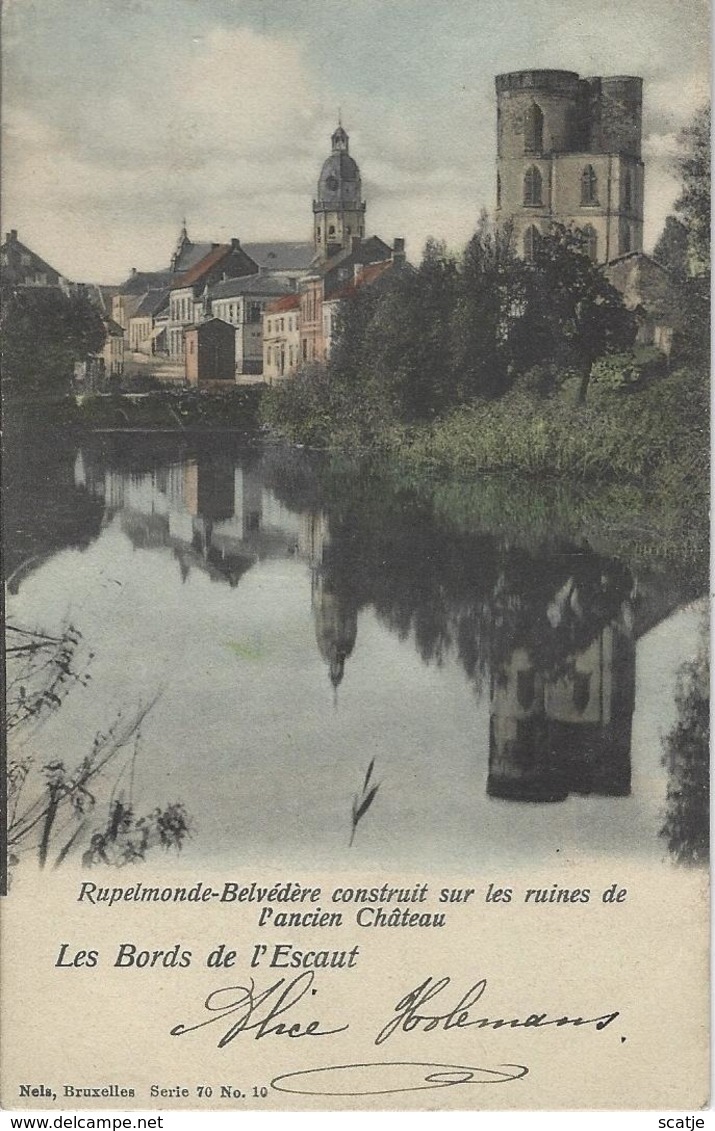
{"type": "Point", "coordinates": [687, 828]}
{"type": "Point", "coordinates": [545, 625]}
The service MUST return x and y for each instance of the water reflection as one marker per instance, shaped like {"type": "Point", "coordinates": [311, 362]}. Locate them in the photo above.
{"type": "Point", "coordinates": [549, 735]}
{"type": "Point", "coordinates": [544, 635]}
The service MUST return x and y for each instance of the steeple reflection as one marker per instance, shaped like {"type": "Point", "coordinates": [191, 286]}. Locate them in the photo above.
{"type": "Point", "coordinates": [333, 605]}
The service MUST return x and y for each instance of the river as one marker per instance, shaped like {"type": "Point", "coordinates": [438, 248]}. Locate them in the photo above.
{"type": "Point", "coordinates": [304, 630]}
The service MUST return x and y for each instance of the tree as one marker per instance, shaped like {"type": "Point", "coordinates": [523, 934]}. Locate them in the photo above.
{"type": "Point", "coordinates": [571, 313]}
{"type": "Point", "coordinates": [488, 299]}
{"type": "Point", "coordinates": [672, 248]}
{"type": "Point", "coordinates": [43, 333]}
{"type": "Point", "coordinates": [429, 390]}
{"type": "Point", "coordinates": [392, 353]}
{"type": "Point", "coordinates": [693, 204]}
{"type": "Point", "coordinates": [693, 207]}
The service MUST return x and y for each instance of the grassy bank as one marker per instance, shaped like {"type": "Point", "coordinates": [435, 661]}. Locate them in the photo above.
{"type": "Point", "coordinates": [627, 438]}
{"type": "Point", "coordinates": [646, 434]}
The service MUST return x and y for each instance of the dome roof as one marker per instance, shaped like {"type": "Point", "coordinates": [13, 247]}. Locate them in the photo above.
{"type": "Point", "coordinates": [340, 176]}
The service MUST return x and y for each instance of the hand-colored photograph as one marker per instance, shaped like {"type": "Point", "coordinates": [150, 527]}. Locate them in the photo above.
{"type": "Point", "coordinates": [356, 387]}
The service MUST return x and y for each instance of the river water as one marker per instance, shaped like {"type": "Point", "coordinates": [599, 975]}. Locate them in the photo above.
{"type": "Point", "coordinates": [302, 631]}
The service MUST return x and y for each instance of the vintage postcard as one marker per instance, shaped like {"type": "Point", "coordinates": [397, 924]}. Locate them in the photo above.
{"type": "Point", "coordinates": [355, 401]}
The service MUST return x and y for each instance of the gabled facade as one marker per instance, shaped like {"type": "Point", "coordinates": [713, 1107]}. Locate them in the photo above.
{"type": "Point", "coordinates": [364, 276]}
{"type": "Point", "coordinates": [22, 267]}
{"type": "Point", "coordinates": [144, 335]}
{"type": "Point", "coordinates": [281, 338]}
{"type": "Point", "coordinates": [241, 302]}
{"type": "Point", "coordinates": [186, 304]}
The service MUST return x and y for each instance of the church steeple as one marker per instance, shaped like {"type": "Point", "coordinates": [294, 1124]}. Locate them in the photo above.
{"type": "Point", "coordinates": [182, 243]}
{"type": "Point", "coordinates": [338, 210]}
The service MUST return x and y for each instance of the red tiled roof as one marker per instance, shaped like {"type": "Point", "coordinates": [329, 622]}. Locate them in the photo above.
{"type": "Point", "coordinates": [197, 272]}
{"type": "Point", "coordinates": [290, 302]}
{"type": "Point", "coordinates": [368, 275]}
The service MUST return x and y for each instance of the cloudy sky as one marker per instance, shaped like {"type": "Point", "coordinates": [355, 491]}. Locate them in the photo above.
{"type": "Point", "coordinates": [121, 118]}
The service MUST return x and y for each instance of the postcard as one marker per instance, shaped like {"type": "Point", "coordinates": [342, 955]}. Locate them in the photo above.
{"type": "Point", "coordinates": [355, 398]}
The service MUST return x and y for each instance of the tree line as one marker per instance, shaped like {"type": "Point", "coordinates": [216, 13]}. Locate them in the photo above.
{"type": "Point", "coordinates": [420, 342]}
{"type": "Point", "coordinates": [44, 332]}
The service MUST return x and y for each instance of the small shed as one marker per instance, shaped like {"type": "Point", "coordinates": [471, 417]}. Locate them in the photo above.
{"type": "Point", "coordinates": [210, 352]}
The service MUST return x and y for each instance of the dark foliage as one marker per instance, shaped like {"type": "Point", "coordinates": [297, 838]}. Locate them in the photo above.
{"type": "Point", "coordinates": [687, 825]}
{"type": "Point", "coordinates": [572, 315]}
{"type": "Point", "coordinates": [44, 332]}
{"type": "Point", "coordinates": [672, 248]}
{"type": "Point", "coordinates": [421, 342]}
{"type": "Point", "coordinates": [693, 204]}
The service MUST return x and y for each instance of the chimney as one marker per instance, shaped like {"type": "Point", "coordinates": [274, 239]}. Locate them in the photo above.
{"type": "Point", "coordinates": [235, 244]}
{"type": "Point", "coordinates": [397, 254]}
{"type": "Point", "coordinates": [11, 236]}
{"type": "Point", "coordinates": [355, 242]}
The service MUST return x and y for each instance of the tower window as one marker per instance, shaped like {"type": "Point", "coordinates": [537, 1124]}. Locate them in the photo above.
{"type": "Point", "coordinates": [318, 231]}
{"type": "Point", "coordinates": [628, 190]}
{"type": "Point", "coordinates": [331, 230]}
{"type": "Point", "coordinates": [532, 239]}
{"type": "Point", "coordinates": [624, 237]}
{"type": "Point", "coordinates": [533, 129]}
{"type": "Point", "coordinates": [589, 186]}
{"type": "Point", "coordinates": [533, 186]}
{"type": "Point", "coordinates": [590, 243]}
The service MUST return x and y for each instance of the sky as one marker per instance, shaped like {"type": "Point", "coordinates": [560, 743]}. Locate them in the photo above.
{"type": "Point", "coordinates": [120, 119]}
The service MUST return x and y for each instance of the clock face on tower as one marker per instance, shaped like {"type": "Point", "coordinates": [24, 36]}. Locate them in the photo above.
{"type": "Point", "coordinates": [331, 183]}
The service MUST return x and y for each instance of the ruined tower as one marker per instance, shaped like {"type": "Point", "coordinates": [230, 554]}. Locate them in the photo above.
{"type": "Point", "coordinates": [569, 151]}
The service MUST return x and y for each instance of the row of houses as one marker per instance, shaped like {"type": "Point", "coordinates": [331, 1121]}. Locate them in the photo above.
{"type": "Point", "coordinates": [247, 312]}
{"type": "Point", "coordinates": [275, 305]}
{"type": "Point", "coordinates": [279, 299]}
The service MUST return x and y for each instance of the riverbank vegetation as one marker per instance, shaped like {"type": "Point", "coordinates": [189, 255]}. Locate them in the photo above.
{"type": "Point", "coordinates": [57, 809]}
{"type": "Point", "coordinates": [168, 409]}
{"type": "Point", "coordinates": [485, 362]}
{"type": "Point", "coordinates": [492, 364]}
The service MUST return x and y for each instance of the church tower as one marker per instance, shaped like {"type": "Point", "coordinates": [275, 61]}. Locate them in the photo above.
{"type": "Point", "coordinates": [338, 210]}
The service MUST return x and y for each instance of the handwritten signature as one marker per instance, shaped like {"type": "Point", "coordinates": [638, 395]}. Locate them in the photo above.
{"type": "Point", "coordinates": [257, 1011]}
{"type": "Point", "coordinates": [407, 1015]}
{"type": "Point", "coordinates": [264, 1013]}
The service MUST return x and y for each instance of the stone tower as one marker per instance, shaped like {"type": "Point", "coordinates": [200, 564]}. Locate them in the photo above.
{"type": "Point", "coordinates": [338, 211]}
{"type": "Point", "coordinates": [569, 151]}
